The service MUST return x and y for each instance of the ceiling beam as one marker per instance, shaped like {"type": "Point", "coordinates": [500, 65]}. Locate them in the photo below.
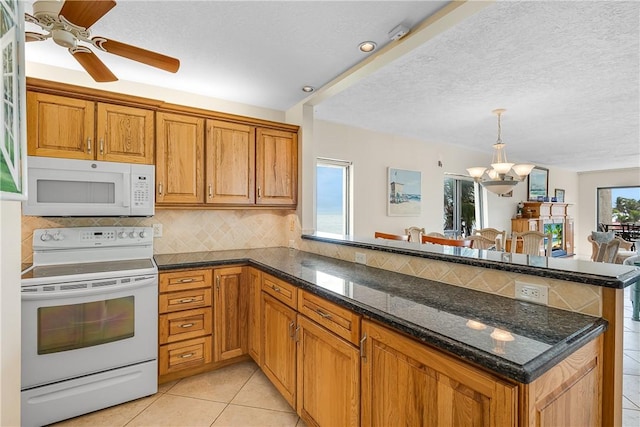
{"type": "Point", "coordinates": [447, 17]}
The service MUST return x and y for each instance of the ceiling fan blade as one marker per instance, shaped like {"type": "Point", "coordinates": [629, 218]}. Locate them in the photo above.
{"type": "Point", "coordinates": [35, 37]}
{"type": "Point", "coordinates": [92, 64]}
{"type": "Point", "coordinates": [134, 53]}
{"type": "Point", "coordinates": [85, 13]}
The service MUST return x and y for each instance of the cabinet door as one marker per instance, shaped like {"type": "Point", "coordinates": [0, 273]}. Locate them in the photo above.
{"type": "Point", "coordinates": [254, 315]}
{"type": "Point", "coordinates": [231, 158]}
{"type": "Point", "coordinates": [58, 126]}
{"type": "Point", "coordinates": [125, 134]}
{"type": "Point", "coordinates": [276, 167]}
{"type": "Point", "coordinates": [407, 383]}
{"type": "Point", "coordinates": [279, 347]}
{"type": "Point", "coordinates": [328, 377]}
{"type": "Point", "coordinates": [230, 335]}
{"type": "Point", "coordinates": [179, 159]}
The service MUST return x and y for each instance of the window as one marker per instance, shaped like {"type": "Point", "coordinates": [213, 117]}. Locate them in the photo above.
{"type": "Point", "coordinates": [619, 211]}
{"type": "Point", "coordinates": [459, 206]}
{"type": "Point", "coordinates": [333, 196]}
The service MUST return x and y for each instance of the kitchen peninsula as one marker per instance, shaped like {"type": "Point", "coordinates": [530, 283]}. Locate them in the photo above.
{"type": "Point", "coordinates": [508, 358]}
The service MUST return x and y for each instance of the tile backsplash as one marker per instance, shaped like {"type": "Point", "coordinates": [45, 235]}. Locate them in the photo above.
{"type": "Point", "coordinates": [189, 230]}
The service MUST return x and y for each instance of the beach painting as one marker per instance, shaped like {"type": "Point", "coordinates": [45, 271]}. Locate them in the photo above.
{"type": "Point", "coordinates": [404, 188]}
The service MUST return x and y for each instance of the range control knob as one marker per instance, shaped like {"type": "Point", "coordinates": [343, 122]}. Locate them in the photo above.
{"type": "Point", "coordinates": [133, 235]}
{"type": "Point", "coordinates": [143, 234]}
{"type": "Point", "coordinates": [123, 235]}
{"type": "Point", "coordinates": [46, 237]}
{"type": "Point", "coordinates": [58, 236]}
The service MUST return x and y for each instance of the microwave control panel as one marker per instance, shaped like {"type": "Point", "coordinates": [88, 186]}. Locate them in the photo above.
{"type": "Point", "coordinates": [142, 188]}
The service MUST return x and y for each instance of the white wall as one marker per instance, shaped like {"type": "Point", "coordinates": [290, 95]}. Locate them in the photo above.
{"type": "Point", "coordinates": [372, 153]}
{"type": "Point", "coordinates": [10, 313]}
{"type": "Point", "coordinates": [589, 182]}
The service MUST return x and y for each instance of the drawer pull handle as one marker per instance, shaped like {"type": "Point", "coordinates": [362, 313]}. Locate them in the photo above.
{"type": "Point", "coordinates": [186, 325]}
{"type": "Point", "coordinates": [275, 288]}
{"type": "Point", "coordinates": [363, 354]}
{"type": "Point", "coordinates": [186, 280]}
{"type": "Point", "coordinates": [186, 355]}
{"type": "Point", "coordinates": [323, 314]}
{"type": "Point", "coordinates": [186, 300]}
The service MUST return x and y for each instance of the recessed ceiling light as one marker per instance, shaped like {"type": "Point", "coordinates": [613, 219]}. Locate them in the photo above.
{"type": "Point", "coordinates": [367, 46]}
{"type": "Point", "coordinates": [308, 89]}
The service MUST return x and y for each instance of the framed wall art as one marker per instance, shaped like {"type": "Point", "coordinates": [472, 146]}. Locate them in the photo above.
{"type": "Point", "coordinates": [559, 195]}
{"type": "Point", "coordinates": [538, 184]}
{"type": "Point", "coordinates": [404, 192]}
{"type": "Point", "coordinates": [12, 108]}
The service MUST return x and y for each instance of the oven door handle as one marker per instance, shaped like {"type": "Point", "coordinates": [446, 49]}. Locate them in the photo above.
{"type": "Point", "coordinates": [101, 290]}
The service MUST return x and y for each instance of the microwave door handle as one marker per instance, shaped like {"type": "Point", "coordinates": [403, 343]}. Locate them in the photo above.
{"type": "Point", "coordinates": [126, 193]}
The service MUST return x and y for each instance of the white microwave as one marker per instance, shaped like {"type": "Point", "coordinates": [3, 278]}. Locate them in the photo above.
{"type": "Point", "coordinates": [66, 187]}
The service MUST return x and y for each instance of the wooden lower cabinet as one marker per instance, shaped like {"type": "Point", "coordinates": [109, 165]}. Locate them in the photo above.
{"type": "Point", "coordinates": [254, 316]}
{"type": "Point", "coordinates": [230, 307]}
{"type": "Point", "coordinates": [409, 384]}
{"type": "Point", "coordinates": [569, 394]}
{"type": "Point", "coordinates": [328, 387]}
{"type": "Point", "coordinates": [278, 360]}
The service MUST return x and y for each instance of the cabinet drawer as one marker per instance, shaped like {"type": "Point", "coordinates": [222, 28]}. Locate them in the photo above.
{"type": "Point", "coordinates": [184, 355]}
{"type": "Point", "coordinates": [280, 290]}
{"type": "Point", "coordinates": [185, 324]}
{"type": "Point", "coordinates": [184, 300]}
{"type": "Point", "coordinates": [339, 320]}
{"type": "Point", "coordinates": [183, 280]}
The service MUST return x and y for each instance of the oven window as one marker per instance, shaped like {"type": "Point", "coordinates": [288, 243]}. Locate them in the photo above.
{"type": "Point", "coordinates": [68, 327]}
{"type": "Point", "coordinates": [54, 191]}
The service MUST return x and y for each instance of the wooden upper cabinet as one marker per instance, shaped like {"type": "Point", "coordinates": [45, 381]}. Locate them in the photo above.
{"type": "Point", "coordinates": [179, 159]}
{"type": "Point", "coordinates": [276, 167]}
{"type": "Point", "coordinates": [125, 134]}
{"type": "Point", "coordinates": [230, 163]}
{"type": "Point", "coordinates": [59, 126]}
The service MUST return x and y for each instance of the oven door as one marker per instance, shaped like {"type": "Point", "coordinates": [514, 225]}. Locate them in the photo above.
{"type": "Point", "coordinates": [74, 330]}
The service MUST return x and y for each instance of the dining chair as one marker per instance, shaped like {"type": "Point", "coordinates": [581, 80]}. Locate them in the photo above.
{"type": "Point", "coordinates": [380, 235]}
{"type": "Point", "coordinates": [493, 234]}
{"type": "Point", "coordinates": [532, 241]}
{"type": "Point", "coordinates": [415, 233]}
{"type": "Point", "coordinates": [481, 242]}
{"type": "Point", "coordinates": [465, 243]}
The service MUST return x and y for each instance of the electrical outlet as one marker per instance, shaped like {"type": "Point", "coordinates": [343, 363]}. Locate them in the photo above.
{"type": "Point", "coordinates": [361, 258]}
{"type": "Point", "coordinates": [532, 293]}
{"type": "Point", "coordinates": [157, 230]}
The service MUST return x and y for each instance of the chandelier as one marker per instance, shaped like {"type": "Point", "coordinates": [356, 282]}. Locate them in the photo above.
{"type": "Point", "coordinates": [502, 176]}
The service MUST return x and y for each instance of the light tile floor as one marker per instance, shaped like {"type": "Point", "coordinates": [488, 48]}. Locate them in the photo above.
{"type": "Point", "coordinates": [241, 396]}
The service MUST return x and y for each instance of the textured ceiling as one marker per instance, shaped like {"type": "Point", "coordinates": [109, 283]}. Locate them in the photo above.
{"type": "Point", "coordinates": [567, 72]}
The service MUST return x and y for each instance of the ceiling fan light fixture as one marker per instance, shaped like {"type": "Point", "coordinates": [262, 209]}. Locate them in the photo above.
{"type": "Point", "coordinates": [367, 46]}
{"type": "Point", "coordinates": [500, 179]}
{"type": "Point", "coordinates": [64, 38]}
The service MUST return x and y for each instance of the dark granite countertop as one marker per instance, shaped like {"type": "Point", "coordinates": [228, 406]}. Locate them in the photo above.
{"type": "Point", "coordinates": [457, 320]}
{"type": "Point", "coordinates": [562, 268]}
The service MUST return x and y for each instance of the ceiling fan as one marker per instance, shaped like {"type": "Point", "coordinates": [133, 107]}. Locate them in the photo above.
{"type": "Point", "coordinates": [67, 23]}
